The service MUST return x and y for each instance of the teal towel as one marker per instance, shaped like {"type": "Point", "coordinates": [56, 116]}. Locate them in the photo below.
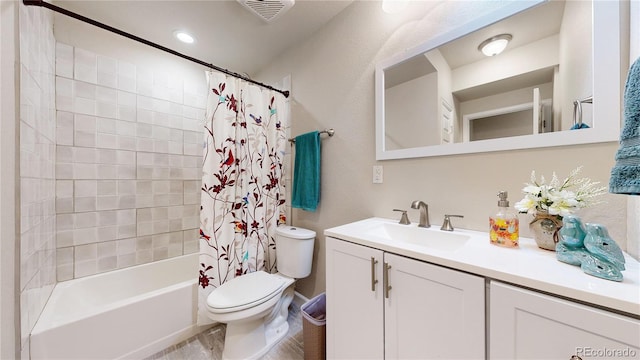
{"type": "Point", "coordinates": [306, 172]}
{"type": "Point", "coordinates": [625, 175]}
{"type": "Point", "coordinates": [580, 126]}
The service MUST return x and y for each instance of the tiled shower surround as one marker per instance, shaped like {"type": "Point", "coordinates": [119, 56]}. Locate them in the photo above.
{"type": "Point", "coordinates": [37, 165]}
{"type": "Point", "coordinates": [128, 163]}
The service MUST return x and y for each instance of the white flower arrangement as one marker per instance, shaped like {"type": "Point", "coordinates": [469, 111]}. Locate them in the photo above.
{"type": "Point", "coordinates": [559, 198]}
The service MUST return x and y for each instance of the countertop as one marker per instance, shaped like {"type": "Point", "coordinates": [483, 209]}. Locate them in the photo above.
{"type": "Point", "coordinates": [527, 266]}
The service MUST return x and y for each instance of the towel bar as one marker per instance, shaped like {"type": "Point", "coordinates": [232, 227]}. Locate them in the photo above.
{"type": "Point", "coordinates": [329, 132]}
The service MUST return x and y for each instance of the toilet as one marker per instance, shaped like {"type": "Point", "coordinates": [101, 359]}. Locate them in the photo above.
{"type": "Point", "coordinates": [255, 306]}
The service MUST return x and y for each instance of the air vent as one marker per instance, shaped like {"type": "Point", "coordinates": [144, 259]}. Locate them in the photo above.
{"type": "Point", "coordinates": [267, 10]}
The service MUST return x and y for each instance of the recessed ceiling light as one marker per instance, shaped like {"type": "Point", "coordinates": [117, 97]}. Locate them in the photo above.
{"type": "Point", "coordinates": [495, 45]}
{"type": "Point", "coordinates": [184, 37]}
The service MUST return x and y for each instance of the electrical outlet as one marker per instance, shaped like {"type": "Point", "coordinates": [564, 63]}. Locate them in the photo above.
{"type": "Point", "coordinates": [377, 174]}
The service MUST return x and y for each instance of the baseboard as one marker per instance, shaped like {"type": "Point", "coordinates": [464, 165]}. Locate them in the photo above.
{"type": "Point", "coordinates": [299, 299]}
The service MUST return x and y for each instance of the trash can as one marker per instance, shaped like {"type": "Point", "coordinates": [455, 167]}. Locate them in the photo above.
{"type": "Point", "coordinates": [314, 329]}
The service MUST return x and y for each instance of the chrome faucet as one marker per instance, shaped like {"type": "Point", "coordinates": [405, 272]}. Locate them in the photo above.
{"type": "Point", "coordinates": [424, 213]}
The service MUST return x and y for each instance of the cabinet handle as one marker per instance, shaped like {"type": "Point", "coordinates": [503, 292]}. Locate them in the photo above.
{"type": "Point", "coordinates": [385, 280]}
{"type": "Point", "coordinates": [374, 281]}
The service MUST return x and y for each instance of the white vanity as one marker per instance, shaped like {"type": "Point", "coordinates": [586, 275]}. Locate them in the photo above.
{"type": "Point", "coordinates": [399, 292]}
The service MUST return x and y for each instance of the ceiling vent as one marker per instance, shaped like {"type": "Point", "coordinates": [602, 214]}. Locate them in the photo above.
{"type": "Point", "coordinates": [267, 10]}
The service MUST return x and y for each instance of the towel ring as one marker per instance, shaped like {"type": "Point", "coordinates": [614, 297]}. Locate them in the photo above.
{"type": "Point", "coordinates": [577, 111]}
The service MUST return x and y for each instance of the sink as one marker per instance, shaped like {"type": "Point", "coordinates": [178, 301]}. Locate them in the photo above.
{"type": "Point", "coordinates": [432, 238]}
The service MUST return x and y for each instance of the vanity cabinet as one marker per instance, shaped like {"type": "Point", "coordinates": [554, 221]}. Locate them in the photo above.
{"type": "Point", "coordinates": [405, 292]}
{"type": "Point", "coordinates": [529, 325]}
{"type": "Point", "coordinates": [354, 301]}
{"type": "Point", "coordinates": [381, 305]}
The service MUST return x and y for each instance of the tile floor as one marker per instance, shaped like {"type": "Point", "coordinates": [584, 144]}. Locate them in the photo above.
{"type": "Point", "coordinates": [208, 344]}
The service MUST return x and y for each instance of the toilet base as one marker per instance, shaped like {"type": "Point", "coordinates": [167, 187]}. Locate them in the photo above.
{"type": "Point", "coordinates": [252, 339]}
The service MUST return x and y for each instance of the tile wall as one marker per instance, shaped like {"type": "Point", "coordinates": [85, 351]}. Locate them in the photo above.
{"type": "Point", "coordinates": [37, 165]}
{"type": "Point", "coordinates": [128, 163]}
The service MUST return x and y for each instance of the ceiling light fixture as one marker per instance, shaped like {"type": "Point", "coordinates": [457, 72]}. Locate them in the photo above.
{"type": "Point", "coordinates": [393, 6]}
{"type": "Point", "coordinates": [495, 45]}
{"type": "Point", "coordinates": [184, 37]}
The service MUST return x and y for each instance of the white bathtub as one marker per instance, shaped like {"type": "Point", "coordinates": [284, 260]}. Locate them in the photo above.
{"type": "Point", "coordinates": [124, 314]}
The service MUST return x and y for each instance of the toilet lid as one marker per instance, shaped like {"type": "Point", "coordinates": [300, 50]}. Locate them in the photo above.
{"type": "Point", "coordinates": [245, 291]}
{"type": "Point", "coordinates": [295, 232]}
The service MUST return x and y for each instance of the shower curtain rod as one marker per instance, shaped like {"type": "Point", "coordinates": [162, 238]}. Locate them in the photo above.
{"type": "Point", "coordinates": [66, 12]}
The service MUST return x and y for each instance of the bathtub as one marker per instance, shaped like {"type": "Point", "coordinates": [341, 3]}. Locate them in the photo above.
{"type": "Point", "coordinates": [129, 313]}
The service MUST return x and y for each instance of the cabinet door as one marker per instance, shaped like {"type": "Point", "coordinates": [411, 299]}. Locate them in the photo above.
{"type": "Point", "coordinates": [433, 312]}
{"type": "Point", "coordinates": [354, 304]}
{"type": "Point", "coordinates": [528, 325]}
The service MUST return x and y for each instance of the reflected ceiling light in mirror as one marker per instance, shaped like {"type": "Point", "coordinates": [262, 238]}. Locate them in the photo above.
{"type": "Point", "coordinates": [393, 6]}
{"type": "Point", "coordinates": [495, 45]}
{"type": "Point", "coordinates": [184, 36]}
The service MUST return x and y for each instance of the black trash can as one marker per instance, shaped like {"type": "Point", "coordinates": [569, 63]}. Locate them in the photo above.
{"type": "Point", "coordinates": [314, 321]}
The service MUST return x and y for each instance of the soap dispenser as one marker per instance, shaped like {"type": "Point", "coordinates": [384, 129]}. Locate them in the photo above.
{"type": "Point", "coordinates": [504, 225]}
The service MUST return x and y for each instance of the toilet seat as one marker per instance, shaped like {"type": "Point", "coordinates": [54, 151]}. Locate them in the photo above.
{"type": "Point", "coordinates": [245, 292]}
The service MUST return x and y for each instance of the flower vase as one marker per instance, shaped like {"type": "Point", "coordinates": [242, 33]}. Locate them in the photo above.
{"type": "Point", "coordinates": [545, 229]}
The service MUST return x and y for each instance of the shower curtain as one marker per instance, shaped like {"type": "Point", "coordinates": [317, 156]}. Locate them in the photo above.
{"type": "Point", "coordinates": [242, 198]}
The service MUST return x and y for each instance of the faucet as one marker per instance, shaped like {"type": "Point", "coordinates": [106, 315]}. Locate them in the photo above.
{"type": "Point", "coordinates": [404, 220]}
{"type": "Point", "coordinates": [424, 213]}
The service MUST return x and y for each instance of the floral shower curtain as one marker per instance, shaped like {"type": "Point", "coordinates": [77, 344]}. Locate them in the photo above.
{"type": "Point", "coordinates": [242, 199]}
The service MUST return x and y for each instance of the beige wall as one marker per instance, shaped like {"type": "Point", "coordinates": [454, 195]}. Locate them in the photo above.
{"type": "Point", "coordinates": [418, 126]}
{"type": "Point", "coordinates": [333, 86]}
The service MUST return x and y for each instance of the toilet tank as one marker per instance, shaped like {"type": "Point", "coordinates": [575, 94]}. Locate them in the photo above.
{"type": "Point", "coordinates": [294, 251]}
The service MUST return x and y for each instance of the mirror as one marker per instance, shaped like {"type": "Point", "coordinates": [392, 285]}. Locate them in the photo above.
{"type": "Point", "coordinates": [558, 82]}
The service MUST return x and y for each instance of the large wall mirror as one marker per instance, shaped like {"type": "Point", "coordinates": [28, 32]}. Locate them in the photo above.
{"type": "Point", "coordinates": [557, 82]}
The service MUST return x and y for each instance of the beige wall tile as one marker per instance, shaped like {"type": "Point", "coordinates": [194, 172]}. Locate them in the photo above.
{"type": "Point", "coordinates": [121, 163]}
{"type": "Point", "coordinates": [106, 187]}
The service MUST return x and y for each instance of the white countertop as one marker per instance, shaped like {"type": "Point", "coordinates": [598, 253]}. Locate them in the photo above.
{"type": "Point", "coordinates": [527, 265]}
